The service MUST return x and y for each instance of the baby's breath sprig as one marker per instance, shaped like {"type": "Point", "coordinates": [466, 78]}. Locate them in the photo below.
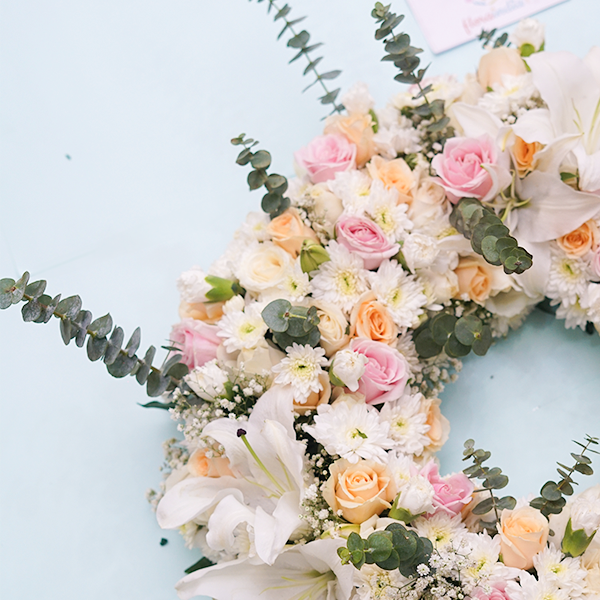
{"type": "Point", "coordinates": [300, 41]}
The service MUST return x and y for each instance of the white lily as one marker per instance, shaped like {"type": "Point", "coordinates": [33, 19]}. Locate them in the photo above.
{"type": "Point", "coordinates": [267, 489]}
{"type": "Point", "coordinates": [309, 572]}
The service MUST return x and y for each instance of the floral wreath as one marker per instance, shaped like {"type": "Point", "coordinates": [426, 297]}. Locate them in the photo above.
{"type": "Point", "coordinates": [306, 369]}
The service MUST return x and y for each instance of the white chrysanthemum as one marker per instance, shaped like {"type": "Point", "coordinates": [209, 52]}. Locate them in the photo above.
{"type": "Point", "coordinates": [192, 285]}
{"type": "Point", "coordinates": [341, 280]}
{"type": "Point", "coordinates": [352, 430]}
{"type": "Point", "coordinates": [402, 467]}
{"type": "Point", "coordinates": [585, 510]}
{"type": "Point", "coordinates": [408, 425]}
{"type": "Point", "coordinates": [254, 227]}
{"type": "Point", "coordinates": [443, 87]}
{"type": "Point", "coordinates": [483, 554]}
{"type": "Point", "coordinates": [528, 31]}
{"type": "Point", "coordinates": [406, 347]}
{"type": "Point", "coordinates": [242, 329]}
{"type": "Point", "coordinates": [353, 188]}
{"type": "Point", "coordinates": [225, 266]}
{"type": "Point", "coordinates": [349, 366]}
{"type": "Point", "coordinates": [566, 573]}
{"type": "Point", "coordinates": [383, 208]}
{"type": "Point", "coordinates": [301, 369]}
{"type": "Point", "coordinates": [573, 314]}
{"type": "Point", "coordinates": [529, 588]}
{"type": "Point", "coordinates": [207, 381]}
{"type": "Point", "coordinates": [295, 285]}
{"type": "Point", "coordinates": [399, 292]}
{"type": "Point", "coordinates": [420, 250]}
{"type": "Point", "coordinates": [441, 529]}
{"type": "Point", "coordinates": [508, 95]}
{"type": "Point", "coordinates": [568, 277]}
{"type": "Point", "coordinates": [358, 99]}
{"type": "Point", "coordinates": [378, 584]}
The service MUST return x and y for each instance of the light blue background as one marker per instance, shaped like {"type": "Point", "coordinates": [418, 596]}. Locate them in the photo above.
{"type": "Point", "coordinates": [144, 96]}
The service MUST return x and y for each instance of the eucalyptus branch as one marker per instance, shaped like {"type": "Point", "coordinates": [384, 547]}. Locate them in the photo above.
{"type": "Point", "coordinates": [493, 479]}
{"type": "Point", "coordinates": [299, 40]}
{"type": "Point", "coordinates": [77, 324]}
{"type": "Point", "coordinates": [551, 499]}
{"type": "Point", "coordinates": [274, 202]}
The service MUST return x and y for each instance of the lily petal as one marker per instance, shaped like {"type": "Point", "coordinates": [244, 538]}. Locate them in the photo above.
{"type": "Point", "coordinates": [228, 514]}
{"type": "Point", "coordinates": [476, 121]}
{"type": "Point", "coordinates": [535, 126]}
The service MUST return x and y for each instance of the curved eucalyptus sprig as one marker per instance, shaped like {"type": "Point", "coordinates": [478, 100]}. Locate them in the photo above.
{"type": "Point", "coordinates": [493, 479]}
{"type": "Point", "coordinates": [404, 56]}
{"type": "Point", "coordinates": [273, 202]}
{"type": "Point", "coordinates": [394, 548]}
{"type": "Point", "coordinates": [300, 41]}
{"type": "Point", "coordinates": [456, 336]}
{"type": "Point", "coordinates": [551, 500]}
{"type": "Point", "coordinates": [487, 36]}
{"type": "Point", "coordinates": [291, 324]}
{"type": "Point", "coordinates": [489, 236]}
{"type": "Point", "coordinates": [103, 341]}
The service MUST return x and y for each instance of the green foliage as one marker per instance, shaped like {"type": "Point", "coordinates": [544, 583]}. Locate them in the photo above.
{"type": "Point", "coordinates": [492, 479]}
{"type": "Point", "coordinates": [453, 335]}
{"type": "Point", "coordinates": [292, 324]}
{"type": "Point", "coordinates": [274, 202]}
{"type": "Point", "coordinates": [312, 255]}
{"type": "Point", "coordinates": [222, 289]}
{"type": "Point", "coordinates": [405, 58]}
{"type": "Point", "coordinates": [489, 236]}
{"type": "Point", "coordinates": [300, 41]}
{"type": "Point", "coordinates": [487, 37]}
{"type": "Point", "coordinates": [551, 499]}
{"type": "Point", "coordinates": [201, 564]}
{"type": "Point", "coordinates": [394, 548]}
{"type": "Point", "coordinates": [103, 341]}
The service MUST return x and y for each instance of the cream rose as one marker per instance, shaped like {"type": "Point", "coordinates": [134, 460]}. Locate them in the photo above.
{"type": "Point", "coordinates": [315, 398]}
{"type": "Point", "coordinates": [261, 359]}
{"type": "Point", "coordinates": [333, 327]}
{"type": "Point", "coordinates": [263, 266]}
{"type": "Point", "coordinates": [327, 207]}
{"type": "Point", "coordinates": [209, 312]}
{"type": "Point", "coordinates": [394, 174]}
{"type": "Point", "coordinates": [370, 319]}
{"type": "Point", "coordinates": [200, 465]}
{"type": "Point", "coordinates": [359, 490]}
{"type": "Point", "coordinates": [357, 129]}
{"type": "Point", "coordinates": [288, 232]}
{"type": "Point", "coordinates": [523, 534]}
{"type": "Point", "coordinates": [499, 62]}
{"type": "Point", "coordinates": [479, 280]}
{"type": "Point", "coordinates": [580, 241]}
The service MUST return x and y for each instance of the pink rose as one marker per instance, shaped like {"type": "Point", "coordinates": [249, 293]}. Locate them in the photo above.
{"type": "Point", "coordinates": [197, 340]}
{"type": "Point", "coordinates": [451, 493]}
{"type": "Point", "coordinates": [325, 156]}
{"type": "Point", "coordinates": [472, 168]}
{"type": "Point", "coordinates": [365, 238]}
{"type": "Point", "coordinates": [496, 593]}
{"type": "Point", "coordinates": [385, 374]}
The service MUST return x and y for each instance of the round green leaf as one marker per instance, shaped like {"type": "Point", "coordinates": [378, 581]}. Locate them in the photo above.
{"type": "Point", "coordinates": [455, 349]}
{"type": "Point", "coordinates": [441, 327]}
{"type": "Point", "coordinates": [468, 329]}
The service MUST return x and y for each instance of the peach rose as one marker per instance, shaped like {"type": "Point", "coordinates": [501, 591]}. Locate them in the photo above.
{"type": "Point", "coordinates": [359, 490]}
{"type": "Point", "coordinates": [580, 241]}
{"type": "Point", "coordinates": [394, 174]}
{"type": "Point", "coordinates": [315, 398]}
{"type": "Point", "coordinates": [209, 312]}
{"type": "Point", "coordinates": [200, 465]}
{"type": "Point", "coordinates": [480, 280]}
{"type": "Point", "coordinates": [499, 62]}
{"type": "Point", "coordinates": [439, 426]}
{"type": "Point", "coordinates": [357, 129]}
{"type": "Point", "coordinates": [288, 231]}
{"type": "Point", "coordinates": [523, 534]}
{"type": "Point", "coordinates": [332, 327]}
{"type": "Point", "coordinates": [524, 154]}
{"type": "Point", "coordinates": [370, 319]}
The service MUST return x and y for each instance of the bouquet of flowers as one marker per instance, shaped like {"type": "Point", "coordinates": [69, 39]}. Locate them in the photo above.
{"type": "Point", "coordinates": [306, 370]}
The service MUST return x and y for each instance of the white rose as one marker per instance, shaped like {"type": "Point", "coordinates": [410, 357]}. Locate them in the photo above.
{"type": "Point", "coordinates": [428, 203]}
{"type": "Point", "coordinates": [438, 287]}
{"type": "Point", "coordinates": [590, 561]}
{"type": "Point", "coordinates": [416, 496]}
{"type": "Point", "coordinates": [332, 326]}
{"type": "Point", "coordinates": [192, 286]}
{"type": "Point", "coordinates": [328, 207]}
{"type": "Point", "coordinates": [261, 359]}
{"type": "Point", "coordinates": [585, 511]}
{"type": "Point", "coordinates": [349, 366]}
{"type": "Point", "coordinates": [528, 31]}
{"type": "Point", "coordinates": [263, 266]}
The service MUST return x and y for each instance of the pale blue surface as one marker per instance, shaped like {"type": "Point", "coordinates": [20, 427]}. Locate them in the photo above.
{"type": "Point", "coordinates": [144, 96]}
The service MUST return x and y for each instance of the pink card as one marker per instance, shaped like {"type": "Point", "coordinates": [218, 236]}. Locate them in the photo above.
{"type": "Point", "coordinates": [449, 23]}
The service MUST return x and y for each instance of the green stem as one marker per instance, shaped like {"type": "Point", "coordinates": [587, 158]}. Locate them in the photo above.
{"type": "Point", "coordinates": [261, 464]}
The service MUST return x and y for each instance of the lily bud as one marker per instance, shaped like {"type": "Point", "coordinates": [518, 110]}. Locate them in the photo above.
{"type": "Point", "coordinates": [222, 289]}
{"type": "Point", "coordinates": [312, 255]}
{"type": "Point", "coordinates": [575, 543]}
